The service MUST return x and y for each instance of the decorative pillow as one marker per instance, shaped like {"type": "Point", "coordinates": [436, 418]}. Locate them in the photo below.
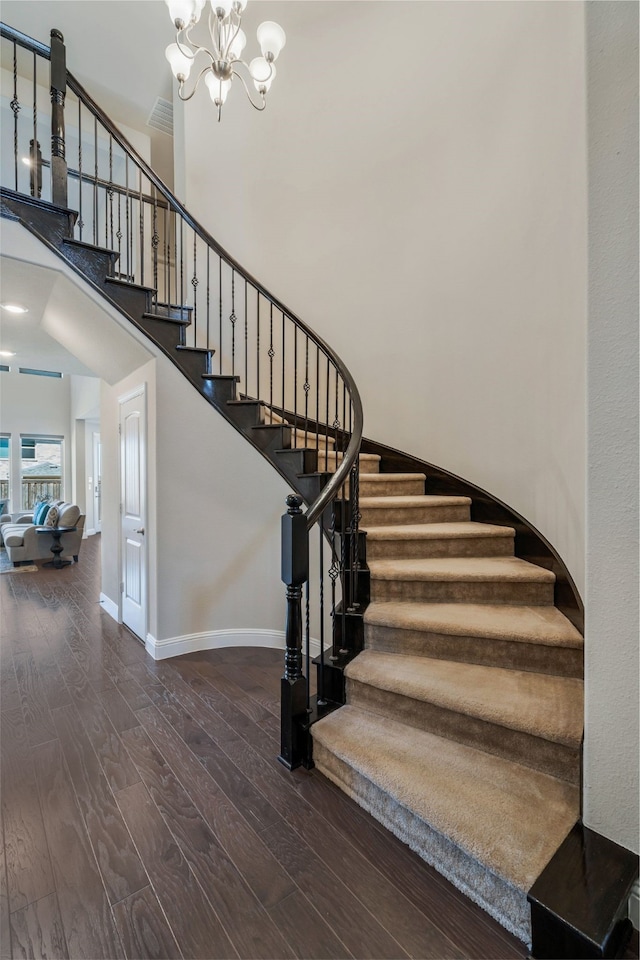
{"type": "Point", "coordinates": [52, 517]}
{"type": "Point", "coordinates": [40, 513]}
{"type": "Point", "coordinates": [68, 515]}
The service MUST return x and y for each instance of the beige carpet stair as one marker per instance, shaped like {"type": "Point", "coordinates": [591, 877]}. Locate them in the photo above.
{"type": "Point", "coordinates": [539, 639]}
{"type": "Point", "coordinates": [378, 511]}
{"type": "Point", "coordinates": [329, 462]}
{"type": "Point", "coordinates": [464, 712]}
{"type": "Point", "coordinates": [529, 718]}
{"type": "Point", "coordinates": [392, 484]}
{"type": "Point", "coordinates": [462, 579]}
{"type": "Point", "coordinates": [488, 824]}
{"type": "Point", "coordinates": [420, 541]}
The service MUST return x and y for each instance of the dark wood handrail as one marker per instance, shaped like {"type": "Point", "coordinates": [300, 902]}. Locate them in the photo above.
{"type": "Point", "coordinates": [10, 33]}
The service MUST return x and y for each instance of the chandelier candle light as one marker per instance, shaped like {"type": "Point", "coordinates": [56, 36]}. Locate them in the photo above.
{"type": "Point", "coordinates": [228, 40]}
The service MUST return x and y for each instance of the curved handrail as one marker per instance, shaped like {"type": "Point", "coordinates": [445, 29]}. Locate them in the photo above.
{"type": "Point", "coordinates": [331, 490]}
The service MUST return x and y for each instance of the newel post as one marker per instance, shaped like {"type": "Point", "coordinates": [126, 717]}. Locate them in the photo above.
{"type": "Point", "coordinates": [293, 686]}
{"type": "Point", "coordinates": [58, 94]}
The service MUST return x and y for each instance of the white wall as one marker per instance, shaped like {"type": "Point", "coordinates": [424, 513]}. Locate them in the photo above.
{"type": "Point", "coordinates": [84, 408]}
{"type": "Point", "coordinates": [213, 523]}
{"type": "Point", "coordinates": [427, 216]}
{"type": "Point", "coordinates": [35, 405]}
{"type": "Point", "coordinates": [612, 796]}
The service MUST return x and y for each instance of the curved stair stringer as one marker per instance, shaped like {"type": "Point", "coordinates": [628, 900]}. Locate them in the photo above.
{"type": "Point", "coordinates": [463, 721]}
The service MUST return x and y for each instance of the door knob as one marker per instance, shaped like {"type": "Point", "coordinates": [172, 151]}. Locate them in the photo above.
{"type": "Point", "coordinates": [141, 530]}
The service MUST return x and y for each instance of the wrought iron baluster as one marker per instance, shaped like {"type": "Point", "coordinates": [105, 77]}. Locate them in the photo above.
{"type": "Point", "coordinates": [95, 180]}
{"type": "Point", "coordinates": [126, 212]}
{"type": "Point", "coordinates": [271, 354]}
{"type": "Point", "coordinates": [233, 319]}
{"type": "Point", "coordinates": [317, 411]}
{"type": "Point", "coordinates": [80, 221]}
{"type": "Point", "coordinates": [321, 700]}
{"type": "Point", "coordinates": [110, 193]}
{"type": "Point", "coordinates": [35, 125]}
{"type": "Point", "coordinates": [15, 107]}
{"type": "Point", "coordinates": [258, 345]}
{"type": "Point", "coordinates": [246, 341]}
{"type": "Point", "coordinates": [167, 247]}
{"type": "Point", "coordinates": [220, 310]}
{"type": "Point", "coordinates": [194, 284]}
{"type": "Point", "coordinates": [307, 644]}
{"type": "Point", "coordinates": [326, 417]}
{"type": "Point", "coordinates": [306, 388]}
{"type": "Point", "coordinates": [336, 425]}
{"type": "Point", "coordinates": [295, 377]}
{"type": "Point", "coordinates": [208, 295]}
{"type": "Point", "coordinates": [334, 572]}
{"type": "Point", "coordinates": [181, 260]}
{"type": "Point", "coordinates": [155, 240]}
{"type": "Point", "coordinates": [283, 369]}
{"type": "Point", "coordinates": [141, 215]}
{"type": "Point", "coordinates": [354, 486]}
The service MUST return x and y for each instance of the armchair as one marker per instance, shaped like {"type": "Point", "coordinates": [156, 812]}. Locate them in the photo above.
{"type": "Point", "coordinates": [22, 543]}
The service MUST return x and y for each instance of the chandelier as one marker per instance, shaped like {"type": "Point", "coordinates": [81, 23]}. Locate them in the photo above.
{"type": "Point", "coordinates": [223, 60]}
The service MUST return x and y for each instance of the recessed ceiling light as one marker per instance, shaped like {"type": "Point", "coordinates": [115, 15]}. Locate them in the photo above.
{"type": "Point", "coordinates": [6, 353]}
{"type": "Point", "coordinates": [14, 308]}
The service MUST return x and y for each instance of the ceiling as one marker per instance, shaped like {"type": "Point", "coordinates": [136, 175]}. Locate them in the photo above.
{"type": "Point", "coordinates": [31, 286]}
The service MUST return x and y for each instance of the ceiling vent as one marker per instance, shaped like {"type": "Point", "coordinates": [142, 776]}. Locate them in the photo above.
{"type": "Point", "coordinates": [161, 117]}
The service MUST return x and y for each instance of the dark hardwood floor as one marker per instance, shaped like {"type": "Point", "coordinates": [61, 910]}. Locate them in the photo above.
{"type": "Point", "coordinates": [144, 813]}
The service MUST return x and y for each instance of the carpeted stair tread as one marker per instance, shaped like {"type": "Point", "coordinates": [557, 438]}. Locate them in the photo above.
{"type": "Point", "coordinates": [504, 815]}
{"type": "Point", "coordinates": [369, 462]}
{"type": "Point", "coordinates": [437, 531]}
{"type": "Point", "coordinates": [416, 500]}
{"type": "Point", "coordinates": [537, 704]}
{"type": "Point", "coordinates": [539, 625]}
{"type": "Point", "coordinates": [381, 477]}
{"type": "Point", "coordinates": [487, 569]}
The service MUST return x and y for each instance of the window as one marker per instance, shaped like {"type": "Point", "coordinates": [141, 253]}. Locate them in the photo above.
{"type": "Point", "coordinates": [5, 469]}
{"type": "Point", "coordinates": [40, 469]}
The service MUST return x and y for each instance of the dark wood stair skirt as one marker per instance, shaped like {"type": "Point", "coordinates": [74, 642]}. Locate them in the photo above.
{"type": "Point", "coordinates": [579, 901]}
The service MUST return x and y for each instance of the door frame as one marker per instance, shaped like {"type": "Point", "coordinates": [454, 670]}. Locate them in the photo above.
{"type": "Point", "coordinates": [96, 441]}
{"type": "Point", "coordinates": [139, 391]}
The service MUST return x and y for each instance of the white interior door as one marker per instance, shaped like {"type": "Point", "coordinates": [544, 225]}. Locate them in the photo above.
{"type": "Point", "coordinates": [97, 483]}
{"type": "Point", "coordinates": [133, 553]}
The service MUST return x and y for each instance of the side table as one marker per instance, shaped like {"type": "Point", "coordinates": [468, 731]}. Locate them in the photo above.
{"type": "Point", "coordinates": [56, 547]}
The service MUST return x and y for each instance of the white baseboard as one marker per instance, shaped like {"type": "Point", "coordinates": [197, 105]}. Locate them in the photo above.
{"type": "Point", "coordinates": [214, 639]}
{"type": "Point", "coordinates": [634, 905]}
{"type": "Point", "coordinates": [110, 607]}
{"type": "Point", "coordinates": [89, 533]}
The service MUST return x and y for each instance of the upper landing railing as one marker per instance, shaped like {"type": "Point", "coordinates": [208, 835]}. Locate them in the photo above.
{"type": "Point", "coordinates": [60, 146]}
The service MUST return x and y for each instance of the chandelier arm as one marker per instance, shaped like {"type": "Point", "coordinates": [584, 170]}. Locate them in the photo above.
{"type": "Point", "coordinates": [256, 106]}
{"type": "Point", "coordinates": [196, 46]}
{"type": "Point", "coordinates": [227, 50]}
{"type": "Point", "coordinates": [195, 86]}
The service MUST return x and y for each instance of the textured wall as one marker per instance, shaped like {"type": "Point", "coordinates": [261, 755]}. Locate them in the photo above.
{"type": "Point", "coordinates": [611, 739]}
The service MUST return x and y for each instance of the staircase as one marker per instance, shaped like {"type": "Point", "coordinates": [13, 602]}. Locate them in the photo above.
{"type": "Point", "coordinates": [463, 719]}
{"type": "Point", "coordinates": [449, 699]}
